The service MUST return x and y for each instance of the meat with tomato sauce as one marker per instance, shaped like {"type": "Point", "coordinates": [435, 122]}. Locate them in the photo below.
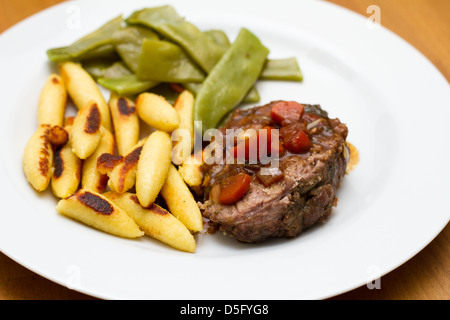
{"type": "Point", "coordinates": [253, 205]}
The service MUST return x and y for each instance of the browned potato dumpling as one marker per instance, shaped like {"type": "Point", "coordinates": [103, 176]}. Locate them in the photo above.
{"type": "Point", "coordinates": [106, 163]}
{"type": "Point", "coordinates": [37, 159]}
{"type": "Point", "coordinates": [123, 176]}
{"type": "Point", "coordinates": [67, 174]}
{"type": "Point", "coordinates": [85, 133]}
{"type": "Point", "coordinates": [82, 88]}
{"type": "Point", "coordinates": [157, 112]}
{"type": "Point", "coordinates": [191, 171]}
{"type": "Point", "coordinates": [52, 102]}
{"type": "Point", "coordinates": [183, 136]}
{"type": "Point", "coordinates": [58, 136]}
{"type": "Point", "coordinates": [181, 202]}
{"type": "Point", "coordinates": [92, 178]}
{"type": "Point", "coordinates": [98, 212]}
{"type": "Point", "coordinates": [153, 165]}
{"type": "Point", "coordinates": [155, 221]}
{"type": "Point", "coordinates": [125, 121]}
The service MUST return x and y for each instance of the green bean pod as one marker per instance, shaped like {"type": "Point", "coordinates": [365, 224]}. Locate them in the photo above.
{"type": "Point", "coordinates": [127, 86]}
{"type": "Point", "coordinates": [251, 97]}
{"type": "Point", "coordinates": [221, 38]}
{"type": "Point", "coordinates": [128, 43]}
{"type": "Point", "coordinates": [100, 68]}
{"type": "Point", "coordinates": [202, 48]}
{"type": "Point", "coordinates": [279, 69]}
{"type": "Point", "coordinates": [95, 44]}
{"type": "Point", "coordinates": [230, 80]}
{"type": "Point", "coordinates": [283, 69]}
{"type": "Point", "coordinates": [164, 61]}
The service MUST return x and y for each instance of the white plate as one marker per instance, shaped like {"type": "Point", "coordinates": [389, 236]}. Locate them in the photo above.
{"type": "Point", "coordinates": [396, 105]}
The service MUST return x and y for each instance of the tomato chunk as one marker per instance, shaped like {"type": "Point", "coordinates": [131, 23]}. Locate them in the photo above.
{"type": "Point", "coordinates": [299, 143]}
{"type": "Point", "coordinates": [274, 147]}
{"type": "Point", "coordinates": [265, 135]}
{"type": "Point", "coordinates": [287, 111]}
{"type": "Point", "coordinates": [252, 146]}
{"type": "Point", "coordinates": [234, 188]}
{"type": "Point", "coordinates": [295, 138]}
{"type": "Point", "coordinates": [176, 87]}
{"type": "Point", "coordinates": [249, 147]}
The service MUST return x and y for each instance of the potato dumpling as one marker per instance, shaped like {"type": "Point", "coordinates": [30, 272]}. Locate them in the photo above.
{"type": "Point", "coordinates": [98, 212]}
{"type": "Point", "coordinates": [37, 161]}
{"type": "Point", "coordinates": [52, 102]}
{"type": "Point", "coordinates": [157, 112]}
{"type": "Point", "coordinates": [86, 133]}
{"type": "Point", "coordinates": [67, 174]}
{"type": "Point", "coordinates": [125, 121]}
{"type": "Point", "coordinates": [155, 221]}
{"type": "Point", "coordinates": [82, 88]}
{"type": "Point", "coordinates": [181, 202]}
{"type": "Point", "coordinates": [153, 165]}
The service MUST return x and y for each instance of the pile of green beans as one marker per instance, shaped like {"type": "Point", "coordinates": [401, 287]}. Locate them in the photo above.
{"type": "Point", "coordinates": [155, 47]}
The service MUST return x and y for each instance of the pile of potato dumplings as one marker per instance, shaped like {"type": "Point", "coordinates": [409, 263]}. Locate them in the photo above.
{"type": "Point", "coordinates": [103, 173]}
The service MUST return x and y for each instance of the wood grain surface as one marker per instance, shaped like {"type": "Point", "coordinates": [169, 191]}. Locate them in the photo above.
{"type": "Point", "coordinates": [424, 24]}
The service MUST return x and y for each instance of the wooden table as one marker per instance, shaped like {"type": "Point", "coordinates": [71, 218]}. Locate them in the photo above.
{"type": "Point", "coordinates": [426, 25]}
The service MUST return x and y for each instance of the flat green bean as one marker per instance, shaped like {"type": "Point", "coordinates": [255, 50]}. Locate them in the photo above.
{"type": "Point", "coordinates": [98, 67]}
{"type": "Point", "coordinates": [163, 61]}
{"type": "Point", "coordinates": [230, 80]}
{"type": "Point", "coordinates": [128, 44]}
{"type": "Point", "coordinates": [280, 69]}
{"type": "Point", "coordinates": [222, 39]}
{"type": "Point", "coordinates": [102, 39]}
{"type": "Point", "coordinates": [251, 97]}
{"type": "Point", "coordinates": [104, 69]}
{"type": "Point", "coordinates": [127, 86]}
{"type": "Point", "coordinates": [219, 37]}
{"type": "Point", "coordinates": [202, 49]}
{"type": "Point", "coordinates": [283, 69]}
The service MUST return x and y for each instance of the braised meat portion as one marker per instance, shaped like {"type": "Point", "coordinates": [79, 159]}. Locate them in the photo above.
{"type": "Point", "coordinates": [308, 159]}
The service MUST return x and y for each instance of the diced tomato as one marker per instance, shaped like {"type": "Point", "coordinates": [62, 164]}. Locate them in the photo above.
{"type": "Point", "coordinates": [249, 147]}
{"type": "Point", "coordinates": [177, 87]}
{"type": "Point", "coordinates": [234, 188]}
{"type": "Point", "coordinates": [252, 146]}
{"type": "Point", "coordinates": [265, 135]}
{"type": "Point", "coordinates": [299, 143]}
{"type": "Point", "coordinates": [287, 132]}
{"type": "Point", "coordinates": [295, 138]}
{"type": "Point", "coordinates": [273, 147]}
{"type": "Point", "coordinates": [287, 111]}
{"type": "Point", "coordinates": [277, 151]}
